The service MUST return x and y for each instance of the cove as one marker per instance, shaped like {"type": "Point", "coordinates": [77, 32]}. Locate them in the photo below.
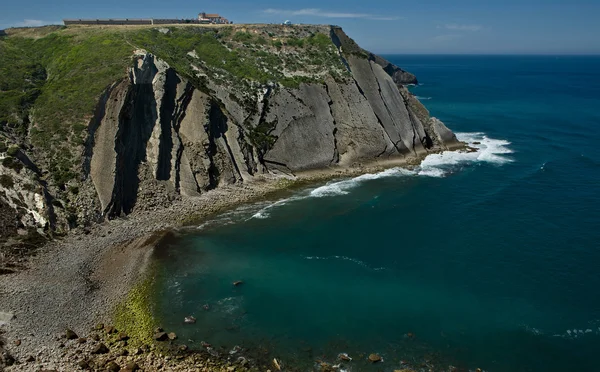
{"type": "Point", "coordinates": [485, 259]}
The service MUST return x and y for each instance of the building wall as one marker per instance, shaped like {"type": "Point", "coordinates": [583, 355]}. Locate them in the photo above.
{"type": "Point", "coordinates": [132, 22]}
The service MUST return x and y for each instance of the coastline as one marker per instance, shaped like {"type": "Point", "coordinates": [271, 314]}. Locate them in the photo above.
{"type": "Point", "coordinates": [79, 280]}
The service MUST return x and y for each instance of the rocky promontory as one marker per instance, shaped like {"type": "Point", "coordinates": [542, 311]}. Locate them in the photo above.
{"type": "Point", "coordinates": [109, 134]}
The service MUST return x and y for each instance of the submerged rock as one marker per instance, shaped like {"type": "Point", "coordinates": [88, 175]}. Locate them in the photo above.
{"type": "Point", "coordinates": [374, 358]}
{"type": "Point", "coordinates": [344, 357]}
{"type": "Point", "coordinates": [189, 320]}
{"type": "Point", "coordinates": [161, 336]}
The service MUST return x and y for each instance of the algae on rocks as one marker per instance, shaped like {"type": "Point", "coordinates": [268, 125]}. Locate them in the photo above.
{"type": "Point", "coordinates": [134, 314]}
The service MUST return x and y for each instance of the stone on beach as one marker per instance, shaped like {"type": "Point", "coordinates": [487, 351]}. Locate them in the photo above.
{"type": "Point", "coordinates": [113, 367]}
{"type": "Point", "coordinates": [100, 349]}
{"type": "Point", "coordinates": [70, 335]}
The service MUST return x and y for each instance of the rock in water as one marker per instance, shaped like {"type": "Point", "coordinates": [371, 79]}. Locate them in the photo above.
{"type": "Point", "coordinates": [172, 336]}
{"type": "Point", "coordinates": [189, 320]}
{"type": "Point", "coordinates": [276, 364]}
{"type": "Point", "coordinates": [344, 357]}
{"type": "Point", "coordinates": [238, 283]}
{"type": "Point", "coordinates": [375, 358]}
{"type": "Point", "coordinates": [161, 336]}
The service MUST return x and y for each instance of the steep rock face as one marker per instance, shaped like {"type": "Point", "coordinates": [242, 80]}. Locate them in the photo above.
{"type": "Point", "coordinates": [160, 136]}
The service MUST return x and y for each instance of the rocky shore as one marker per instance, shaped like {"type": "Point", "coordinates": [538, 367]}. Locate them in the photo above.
{"type": "Point", "coordinates": [78, 280]}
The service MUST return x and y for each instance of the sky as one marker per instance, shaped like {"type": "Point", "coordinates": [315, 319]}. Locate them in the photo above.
{"type": "Point", "coordinates": [385, 26]}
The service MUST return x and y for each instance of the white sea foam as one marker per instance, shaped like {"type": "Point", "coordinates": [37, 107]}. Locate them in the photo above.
{"type": "Point", "coordinates": [487, 150]}
{"type": "Point", "coordinates": [263, 213]}
{"type": "Point", "coordinates": [345, 258]}
{"type": "Point", "coordinates": [342, 187]}
{"type": "Point", "coordinates": [422, 98]}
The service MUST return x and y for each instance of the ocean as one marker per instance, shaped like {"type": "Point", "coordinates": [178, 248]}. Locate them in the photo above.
{"type": "Point", "coordinates": [484, 260]}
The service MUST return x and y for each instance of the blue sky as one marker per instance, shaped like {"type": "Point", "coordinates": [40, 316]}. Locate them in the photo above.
{"type": "Point", "coordinates": [388, 26]}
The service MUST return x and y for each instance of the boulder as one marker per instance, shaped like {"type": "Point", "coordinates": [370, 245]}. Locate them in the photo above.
{"type": "Point", "coordinates": [161, 336]}
{"type": "Point", "coordinates": [83, 364]}
{"type": "Point", "coordinates": [374, 358]}
{"type": "Point", "coordinates": [132, 366]}
{"type": "Point", "coordinates": [344, 357]}
{"type": "Point", "coordinates": [189, 320]}
{"type": "Point", "coordinates": [172, 336]}
{"type": "Point", "coordinates": [70, 335]}
{"type": "Point", "coordinates": [100, 349]}
{"type": "Point", "coordinates": [113, 367]}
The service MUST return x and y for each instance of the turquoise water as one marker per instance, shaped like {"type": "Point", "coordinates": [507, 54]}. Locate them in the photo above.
{"type": "Point", "coordinates": [489, 259]}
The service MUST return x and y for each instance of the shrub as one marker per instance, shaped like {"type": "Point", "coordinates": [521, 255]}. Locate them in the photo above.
{"type": "Point", "coordinates": [6, 181]}
{"type": "Point", "coordinates": [12, 150]}
{"type": "Point", "coordinates": [12, 163]}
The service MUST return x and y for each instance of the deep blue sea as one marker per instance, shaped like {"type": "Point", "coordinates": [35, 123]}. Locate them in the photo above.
{"type": "Point", "coordinates": [484, 260]}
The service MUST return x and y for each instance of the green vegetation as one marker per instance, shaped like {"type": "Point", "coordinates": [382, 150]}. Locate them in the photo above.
{"type": "Point", "coordinates": [12, 163]}
{"type": "Point", "coordinates": [6, 181]}
{"type": "Point", "coordinates": [12, 150]}
{"type": "Point", "coordinates": [51, 78]}
{"type": "Point", "coordinates": [261, 138]}
{"type": "Point", "coordinates": [134, 315]}
{"type": "Point", "coordinates": [57, 78]}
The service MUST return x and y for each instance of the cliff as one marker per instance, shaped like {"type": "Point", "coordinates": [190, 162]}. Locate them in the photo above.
{"type": "Point", "coordinates": [98, 122]}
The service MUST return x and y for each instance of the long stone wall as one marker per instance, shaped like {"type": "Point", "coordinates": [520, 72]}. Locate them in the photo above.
{"type": "Point", "coordinates": [133, 22]}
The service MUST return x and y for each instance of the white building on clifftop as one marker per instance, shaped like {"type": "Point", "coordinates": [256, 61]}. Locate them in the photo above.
{"type": "Point", "coordinates": [212, 18]}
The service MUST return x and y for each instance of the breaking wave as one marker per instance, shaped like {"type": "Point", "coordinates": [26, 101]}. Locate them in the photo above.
{"type": "Point", "coordinates": [345, 258]}
{"type": "Point", "coordinates": [422, 98]}
{"type": "Point", "coordinates": [484, 150]}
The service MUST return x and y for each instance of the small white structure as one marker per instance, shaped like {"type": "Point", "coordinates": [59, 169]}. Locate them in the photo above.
{"type": "Point", "coordinates": [287, 23]}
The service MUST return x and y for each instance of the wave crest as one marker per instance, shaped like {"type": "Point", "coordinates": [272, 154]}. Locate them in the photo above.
{"type": "Point", "coordinates": [485, 150]}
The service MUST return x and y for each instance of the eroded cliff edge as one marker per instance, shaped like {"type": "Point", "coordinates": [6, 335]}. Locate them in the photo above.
{"type": "Point", "coordinates": [198, 108]}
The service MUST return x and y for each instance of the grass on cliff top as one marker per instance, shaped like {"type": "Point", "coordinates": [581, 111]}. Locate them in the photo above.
{"type": "Point", "coordinates": [51, 78]}
{"type": "Point", "coordinates": [56, 80]}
